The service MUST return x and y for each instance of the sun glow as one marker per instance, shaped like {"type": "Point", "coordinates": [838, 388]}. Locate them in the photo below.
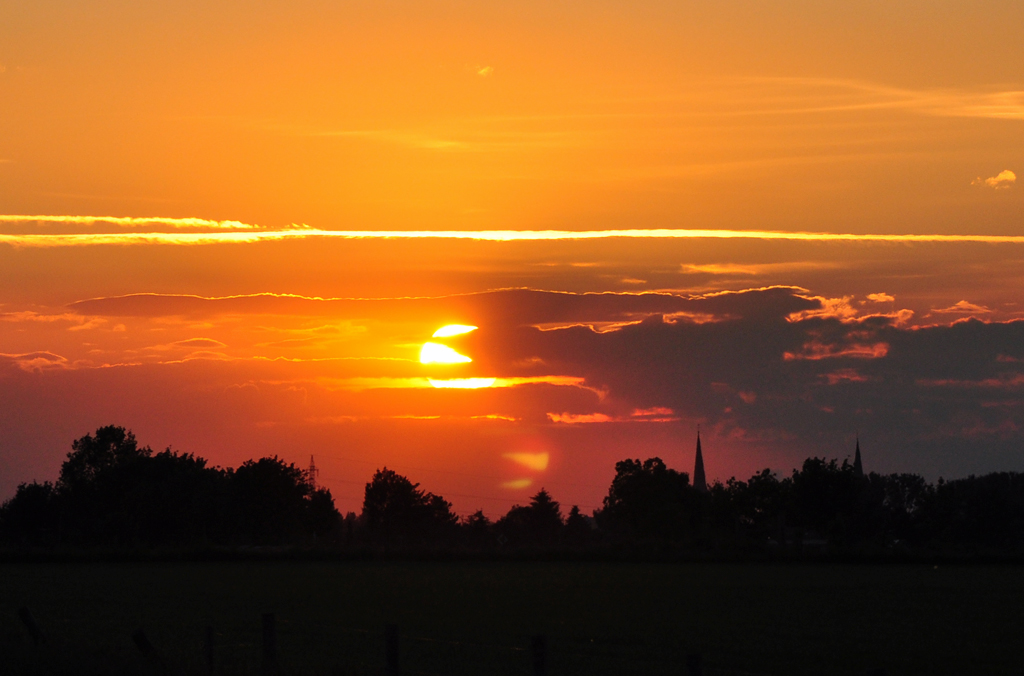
{"type": "Point", "coordinates": [453, 330]}
{"type": "Point", "coordinates": [435, 353]}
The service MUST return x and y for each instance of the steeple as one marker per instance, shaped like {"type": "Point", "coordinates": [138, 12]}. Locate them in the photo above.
{"type": "Point", "coordinates": [699, 481]}
{"type": "Point", "coordinates": [858, 468]}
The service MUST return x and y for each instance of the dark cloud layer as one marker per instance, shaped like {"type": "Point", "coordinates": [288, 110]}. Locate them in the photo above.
{"type": "Point", "coordinates": [503, 307]}
{"type": "Point", "coordinates": [944, 398]}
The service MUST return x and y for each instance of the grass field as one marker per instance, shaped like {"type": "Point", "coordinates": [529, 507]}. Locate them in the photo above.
{"type": "Point", "coordinates": [477, 618]}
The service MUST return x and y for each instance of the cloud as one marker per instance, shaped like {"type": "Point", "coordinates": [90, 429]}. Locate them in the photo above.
{"type": "Point", "coordinates": [802, 95]}
{"type": "Point", "coordinates": [1000, 181]}
{"type": "Point", "coordinates": [485, 309]}
{"type": "Point", "coordinates": [815, 350]}
{"type": "Point", "coordinates": [655, 414]}
{"type": "Point", "coordinates": [200, 342]}
{"type": "Point", "coordinates": [844, 376]}
{"type": "Point", "coordinates": [376, 383]}
{"type": "Point", "coordinates": [93, 323]}
{"type": "Point", "coordinates": [881, 298]}
{"type": "Point", "coordinates": [46, 318]}
{"type": "Point", "coordinates": [484, 71]}
{"type": "Point", "coordinates": [963, 308]}
{"type": "Point", "coordinates": [758, 375]}
{"type": "Point", "coordinates": [212, 232]}
{"type": "Point", "coordinates": [35, 361]}
{"type": "Point", "coordinates": [576, 419]}
{"type": "Point", "coordinates": [126, 221]}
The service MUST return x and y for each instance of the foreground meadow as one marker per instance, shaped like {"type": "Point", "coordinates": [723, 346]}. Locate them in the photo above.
{"type": "Point", "coordinates": [478, 618]}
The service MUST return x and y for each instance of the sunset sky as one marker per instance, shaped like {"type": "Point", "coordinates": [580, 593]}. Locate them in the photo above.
{"type": "Point", "coordinates": [231, 227]}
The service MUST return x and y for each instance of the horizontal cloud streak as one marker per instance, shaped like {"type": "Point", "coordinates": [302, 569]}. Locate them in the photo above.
{"type": "Point", "coordinates": [831, 95]}
{"type": "Point", "coordinates": [297, 233]}
{"type": "Point", "coordinates": [127, 221]}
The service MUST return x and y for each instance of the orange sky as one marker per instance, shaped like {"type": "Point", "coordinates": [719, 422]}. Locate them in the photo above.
{"type": "Point", "coordinates": [229, 145]}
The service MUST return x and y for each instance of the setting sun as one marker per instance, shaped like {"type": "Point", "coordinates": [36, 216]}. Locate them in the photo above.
{"type": "Point", "coordinates": [453, 330]}
{"type": "Point", "coordinates": [435, 353]}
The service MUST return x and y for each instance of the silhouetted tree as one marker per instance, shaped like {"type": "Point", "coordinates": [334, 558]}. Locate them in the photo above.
{"type": "Point", "coordinates": [274, 501]}
{"type": "Point", "coordinates": [90, 456]}
{"type": "Point", "coordinates": [650, 501]}
{"type": "Point", "coordinates": [904, 495]}
{"type": "Point", "coordinates": [30, 517]}
{"type": "Point", "coordinates": [477, 530]}
{"type": "Point", "coordinates": [539, 523]}
{"type": "Point", "coordinates": [111, 492]}
{"type": "Point", "coordinates": [832, 500]}
{"type": "Point", "coordinates": [578, 529]}
{"type": "Point", "coordinates": [984, 512]}
{"type": "Point", "coordinates": [396, 512]}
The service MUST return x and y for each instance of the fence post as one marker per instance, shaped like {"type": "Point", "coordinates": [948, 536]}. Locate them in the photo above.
{"type": "Point", "coordinates": [539, 644]}
{"type": "Point", "coordinates": [391, 649]}
{"type": "Point", "coordinates": [269, 644]}
{"type": "Point", "coordinates": [694, 667]}
{"type": "Point", "coordinates": [30, 624]}
{"type": "Point", "coordinates": [208, 650]}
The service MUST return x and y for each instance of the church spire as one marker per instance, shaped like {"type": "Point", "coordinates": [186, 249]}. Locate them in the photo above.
{"type": "Point", "coordinates": [699, 481]}
{"type": "Point", "coordinates": [858, 468]}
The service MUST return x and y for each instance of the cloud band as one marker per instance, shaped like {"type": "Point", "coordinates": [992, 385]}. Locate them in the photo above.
{"type": "Point", "coordinates": [241, 233]}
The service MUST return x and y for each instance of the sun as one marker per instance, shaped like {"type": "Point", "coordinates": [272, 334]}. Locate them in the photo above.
{"type": "Point", "coordinates": [435, 353]}
{"type": "Point", "coordinates": [453, 330]}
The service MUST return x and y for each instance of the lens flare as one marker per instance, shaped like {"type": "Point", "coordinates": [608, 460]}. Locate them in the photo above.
{"type": "Point", "coordinates": [435, 353]}
{"type": "Point", "coordinates": [534, 461]}
{"type": "Point", "coordinates": [453, 330]}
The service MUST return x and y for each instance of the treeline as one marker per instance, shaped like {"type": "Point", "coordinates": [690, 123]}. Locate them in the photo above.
{"type": "Point", "coordinates": [112, 493]}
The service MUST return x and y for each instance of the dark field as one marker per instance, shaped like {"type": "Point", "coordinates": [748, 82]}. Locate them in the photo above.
{"type": "Point", "coordinates": [477, 618]}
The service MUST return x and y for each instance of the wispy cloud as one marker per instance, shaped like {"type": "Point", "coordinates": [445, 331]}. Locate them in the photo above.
{"type": "Point", "coordinates": [36, 361]}
{"type": "Point", "coordinates": [881, 298]}
{"type": "Point", "coordinates": [125, 221]}
{"type": "Point", "coordinates": [656, 414]}
{"type": "Point", "coordinates": [378, 383]}
{"type": "Point", "coordinates": [796, 95]}
{"type": "Point", "coordinates": [963, 308]}
{"type": "Point", "coordinates": [1000, 181]}
{"type": "Point", "coordinates": [245, 233]}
